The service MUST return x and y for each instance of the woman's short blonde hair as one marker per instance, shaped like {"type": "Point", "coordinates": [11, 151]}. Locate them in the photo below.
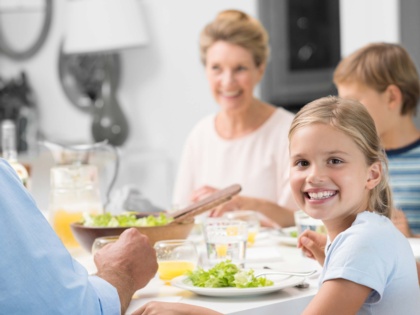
{"type": "Point", "coordinates": [379, 65]}
{"type": "Point", "coordinates": [351, 118]}
{"type": "Point", "coordinates": [238, 28]}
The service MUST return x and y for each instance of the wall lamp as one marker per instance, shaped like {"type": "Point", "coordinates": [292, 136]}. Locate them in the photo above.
{"type": "Point", "coordinates": [89, 65]}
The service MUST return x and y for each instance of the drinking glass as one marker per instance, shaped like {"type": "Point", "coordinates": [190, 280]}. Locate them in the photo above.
{"type": "Point", "coordinates": [305, 222]}
{"type": "Point", "coordinates": [225, 239]}
{"type": "Point", "coordinates": [252, 220]}
{"type": "Point", "coordinates": [102, 241]}
{"type": "Point", "coordinates": [175, 258]}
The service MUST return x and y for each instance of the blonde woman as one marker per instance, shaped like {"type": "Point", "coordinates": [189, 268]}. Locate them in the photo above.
{"type": "Point", "coordinates": [245, 142]}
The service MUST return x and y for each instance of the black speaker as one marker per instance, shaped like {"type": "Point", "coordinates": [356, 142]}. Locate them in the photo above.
{"type": "Point", "coordinates": [305, 48]}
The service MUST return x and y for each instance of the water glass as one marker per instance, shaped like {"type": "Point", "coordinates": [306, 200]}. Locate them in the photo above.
{"type": "Point", "coordinates": [225, 239]}
{"type": "Point", "coordinates": [251, 218]}
{"type": "Point", "coordinates": [305, 222]}
{"type": "Point", "coordinates": [100, 242]}
{"type": "Point", "coordinates": [175, 258]}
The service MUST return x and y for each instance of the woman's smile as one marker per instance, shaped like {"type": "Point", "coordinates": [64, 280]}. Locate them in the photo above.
{"type": "Point", "coordinates": [230, 94]}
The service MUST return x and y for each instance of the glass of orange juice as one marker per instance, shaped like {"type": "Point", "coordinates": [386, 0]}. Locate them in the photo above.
{"type": "Point", "coordinates": [175, 258]}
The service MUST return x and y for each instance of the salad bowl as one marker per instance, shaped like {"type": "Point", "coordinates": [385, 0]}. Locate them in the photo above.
{"type": "Point", "coordinates": [86, 235]}
{"type": "Point", "coordinates": [179, 225]}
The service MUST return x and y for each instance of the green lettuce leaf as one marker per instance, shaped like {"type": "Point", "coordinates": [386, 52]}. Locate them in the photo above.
{"type": "Point", "coordinates": [226, 274]}
{"type": "Point", "coordinates": [124, 220]}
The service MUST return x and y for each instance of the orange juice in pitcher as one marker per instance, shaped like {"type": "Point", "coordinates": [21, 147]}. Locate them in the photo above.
{"type": "Point", "coordinates": [75, 185]}
{"type": "Point", "coordinates": [74, 191]}
{"type": "Point", "coordinates": [61, 224]}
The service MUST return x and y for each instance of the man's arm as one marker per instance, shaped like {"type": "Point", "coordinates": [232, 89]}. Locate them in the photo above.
{"type": "Point", "coordinates": [39, 274]}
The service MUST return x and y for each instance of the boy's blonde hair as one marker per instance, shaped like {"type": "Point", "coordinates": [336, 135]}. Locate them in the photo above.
{"type": "Point", "coordinates": [238, 28]}
{"type": "Point", "coordinates": [351, 118]}
{"type": "Point", "coordinates": [379, 65]}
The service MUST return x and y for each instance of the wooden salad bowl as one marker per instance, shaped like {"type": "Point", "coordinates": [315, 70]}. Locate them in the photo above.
{"type": "Point", "coordinates": [179, 228]}
{"type": "Point", "coordinates": [86, 235]}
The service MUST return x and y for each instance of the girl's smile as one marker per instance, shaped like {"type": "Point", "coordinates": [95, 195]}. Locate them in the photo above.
{"type": "Point", "coordinates": [320, 195]}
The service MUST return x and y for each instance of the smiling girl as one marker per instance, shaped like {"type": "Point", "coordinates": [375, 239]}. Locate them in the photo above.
{"type": "Point", "coordinates": [338, 175]}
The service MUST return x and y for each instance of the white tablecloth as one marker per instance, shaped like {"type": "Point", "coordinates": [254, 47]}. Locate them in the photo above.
{"type": "Point", "coordinates": [268, 252]}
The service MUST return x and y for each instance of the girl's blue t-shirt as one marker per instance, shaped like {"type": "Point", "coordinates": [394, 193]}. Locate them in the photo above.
{"type": "Point", "coordinates": [373, 253]}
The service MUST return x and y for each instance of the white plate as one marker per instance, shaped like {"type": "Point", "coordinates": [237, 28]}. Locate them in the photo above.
{"type": "Point", "coordinates": [182, 282]}
{"type": "Point", "coordinates": [287, 240]}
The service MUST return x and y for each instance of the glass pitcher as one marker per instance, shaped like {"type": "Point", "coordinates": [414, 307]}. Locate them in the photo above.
{"type": "Point", "coordinates": [74, 186]}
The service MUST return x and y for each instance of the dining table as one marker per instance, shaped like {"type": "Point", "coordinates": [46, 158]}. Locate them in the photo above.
{"type": "Point", "coordinates": [270, 251]}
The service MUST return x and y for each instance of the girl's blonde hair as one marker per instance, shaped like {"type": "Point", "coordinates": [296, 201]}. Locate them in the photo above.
{"type": "Point", "coordinates": [379, 65]}
{"type": "Point", "coordinates": [351, 118]}
{"type": "Point", "coordinates": [238, 28]}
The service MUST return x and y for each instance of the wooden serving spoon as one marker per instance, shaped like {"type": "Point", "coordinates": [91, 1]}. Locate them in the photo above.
{"type": "Point", "coordinates": [217, 198]}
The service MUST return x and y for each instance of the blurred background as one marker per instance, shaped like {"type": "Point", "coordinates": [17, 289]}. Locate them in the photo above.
{"type": "Point", "coordinates": [162, 89]}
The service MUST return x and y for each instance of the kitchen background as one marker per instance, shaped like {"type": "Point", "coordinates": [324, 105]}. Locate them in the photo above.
{"type": "Point", "coordinates": [163, 89]}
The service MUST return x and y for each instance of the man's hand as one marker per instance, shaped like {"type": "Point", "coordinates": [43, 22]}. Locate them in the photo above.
{"type": "Point", "coordinates": [313, 245]}
{"type": "Point", "coordinates": [128, 264]}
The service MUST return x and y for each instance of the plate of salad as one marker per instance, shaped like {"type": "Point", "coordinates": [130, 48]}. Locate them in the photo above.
{"type": "Point", "coordinates": [228, 280]}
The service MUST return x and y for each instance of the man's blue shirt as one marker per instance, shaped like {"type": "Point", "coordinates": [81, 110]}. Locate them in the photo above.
{"type": "Point", "coordinates": [37, 273]}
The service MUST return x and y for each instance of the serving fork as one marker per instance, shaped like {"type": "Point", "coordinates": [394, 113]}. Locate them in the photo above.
{"type": "Point", "coordinates": [287, 273]}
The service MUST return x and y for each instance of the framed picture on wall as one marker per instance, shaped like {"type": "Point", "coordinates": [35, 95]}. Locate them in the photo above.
{"type": "Point", "coordinates": [305, 48]}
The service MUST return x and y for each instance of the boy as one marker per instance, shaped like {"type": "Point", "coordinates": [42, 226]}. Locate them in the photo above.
{"type": "Point", "coordinates": [384, 79]}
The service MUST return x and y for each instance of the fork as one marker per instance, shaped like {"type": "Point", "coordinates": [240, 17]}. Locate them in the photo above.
{"type": "Point", "coordinates": [287, 273]}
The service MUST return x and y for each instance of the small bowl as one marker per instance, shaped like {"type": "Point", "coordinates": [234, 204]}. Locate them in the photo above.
{"type": "Point", "coordinates": [86, 235]}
